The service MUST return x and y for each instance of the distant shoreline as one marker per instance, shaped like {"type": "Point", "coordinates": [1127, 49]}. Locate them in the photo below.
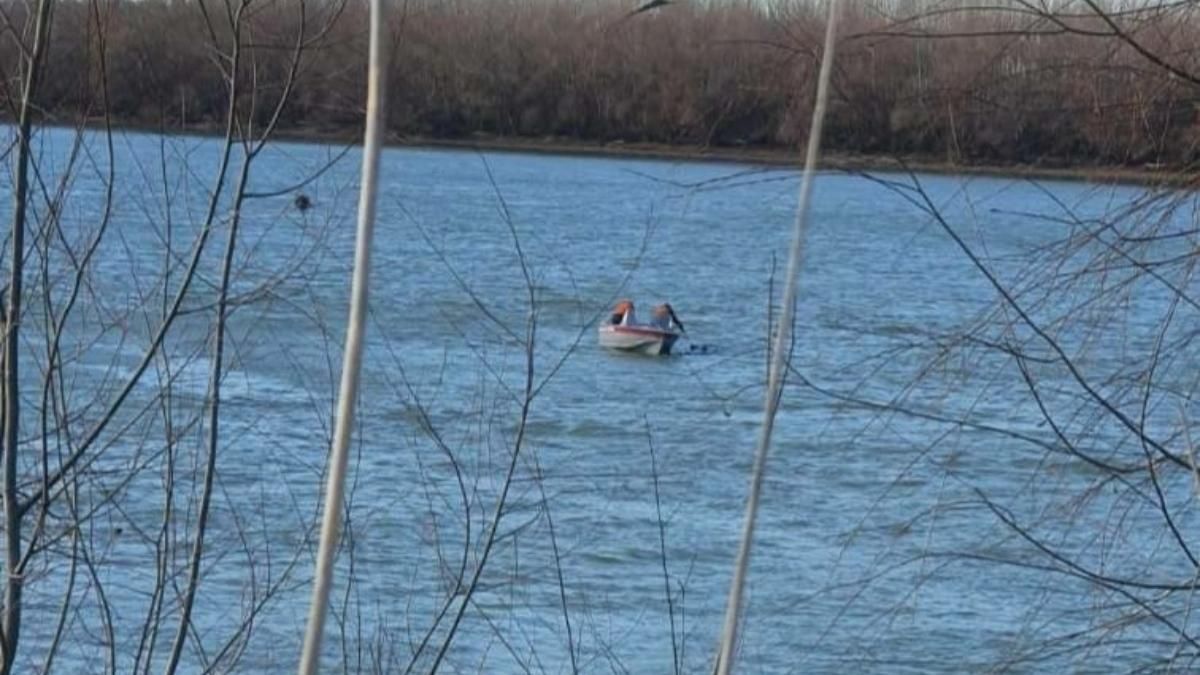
{"type": "Point", "coordinates": [829, 162]}
{"type": "Point", "coordinates": [757, 155]}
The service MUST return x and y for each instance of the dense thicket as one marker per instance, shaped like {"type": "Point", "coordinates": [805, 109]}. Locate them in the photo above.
{"type": "Point", "coordinates": [961, 84]}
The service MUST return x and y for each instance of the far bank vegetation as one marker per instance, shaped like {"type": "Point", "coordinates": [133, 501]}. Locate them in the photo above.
{"type": "Point", "coordinates": [946, 81]}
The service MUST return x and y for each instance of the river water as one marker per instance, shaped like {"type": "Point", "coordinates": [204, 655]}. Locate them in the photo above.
{"type": "Point", "coordinates": [907, 416]}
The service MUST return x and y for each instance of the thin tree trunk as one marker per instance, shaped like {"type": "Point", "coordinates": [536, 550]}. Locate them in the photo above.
{"type": "Point", "coordinates": [780, 357]}
{"type": "Point", "coordinates": [11, 389]}
{"type": "Point", "coordinates": [310, 656]}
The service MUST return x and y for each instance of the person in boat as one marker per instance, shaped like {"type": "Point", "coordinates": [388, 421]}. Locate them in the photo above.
{"type": "Point", "coordinates": [622, 314]}
{"type": "Point", "coordinates": [664, 318]}
{"type": "Point", "coordinates": [661, 317]}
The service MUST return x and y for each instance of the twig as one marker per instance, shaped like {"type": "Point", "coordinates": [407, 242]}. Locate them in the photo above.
{"type": "Point", "coordinates": [676, 663]}
{"type": "Point", "coordinates": [214, 426]}
{"type": "Point", "coordinates": [1190, 447]}
{"type": "Point", "coordinates": [558, 570]}
{"type": "Point", "coordinates": [529, 344]}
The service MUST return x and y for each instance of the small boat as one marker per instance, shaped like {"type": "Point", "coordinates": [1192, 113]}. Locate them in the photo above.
{"type": "Point", "coordinates": [624, 333]}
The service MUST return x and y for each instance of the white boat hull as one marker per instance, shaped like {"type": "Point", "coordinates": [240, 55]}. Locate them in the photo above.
{"type": "Point", "coordinates": [639, 339]}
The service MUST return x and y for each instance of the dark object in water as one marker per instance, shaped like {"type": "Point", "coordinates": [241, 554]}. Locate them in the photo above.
{"type": "Point", "coordinates": [302, 202]}
{"type": "Point", "coordinates": [697, 349]}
